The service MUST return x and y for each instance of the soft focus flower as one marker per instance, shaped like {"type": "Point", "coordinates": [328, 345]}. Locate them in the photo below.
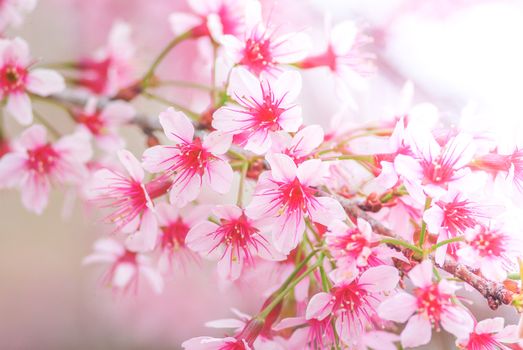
{"type": "Point", "coordinates": [301, 146]}
{"type": "Point", "coordinates": [212, 18]}
{"type": "Point", "coordinates": [344, 58]}
{"type": "Point", "coordinates": [103, 124]}
{"type": "Point", "coordinates": [353, 299]}
{"type": "Point", "coordinates": [12, 12]}
{"type": "Point", "coordinates": [489, 334]}
{"type": "Point", "coordinates": [430, 306]}
{"type": "Point", "coordinates": [17, 79]}
{"type": "Point", "coordinates": [491, 250]}
{"type": "Point", "coordinates": [190, 160]}
{"type": "Point", "coordinates": [126, 266]}
{"type": "Point", "coordinates": [35, 163]}
{"type": "Point", "coordinates": [287, 195]}
{"type": "Point", "coordinates": [110, 68]}
{"type": "Point", "coordinates": [237, 240]}
{"type": "Point", "coordinates": [131, 200]}
{"type": "Point", "coordinates": [262, 108]}
{"type": "Point", "coordinates": [262, 52]}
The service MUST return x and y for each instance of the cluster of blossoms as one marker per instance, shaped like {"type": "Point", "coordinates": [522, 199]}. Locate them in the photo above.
{"type": "Point", "coordinates": [362, 242]}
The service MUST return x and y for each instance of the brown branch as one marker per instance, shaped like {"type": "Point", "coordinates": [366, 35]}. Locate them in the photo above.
{"type": "Point", "coordinates": [495, 293]}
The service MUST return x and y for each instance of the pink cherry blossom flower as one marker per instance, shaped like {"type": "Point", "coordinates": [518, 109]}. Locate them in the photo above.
{"type": "Point", "coordinates": [490, 334]}
{"type": "Point", "coordinates": [212, 18]}
{"type": "Point", "coordinates": [491, 250]}
{"type": "Point", "coordinates": [262, 52]}
{"type": "Point", "coordinates": [301, 146]}
{"type": "Point", "coordinates": [237, 240]}
{"type": "Point", "coordinates": [263, 107]}
{"type": "Point", "coordinates": [210, 343]}
{"type": "Point", "coordinates": [17, 79]}
{"type": "Point", "coordinates": [353, 299]}
{"type": "Point", "coordinates": [430, 306]}
{"type": "Point", "coordinates": [286, 194]}
{"type": "Point", "coordinates": [191, 161]}
{"type": "Point", "coordinates": [320, 333]}
{"type": "Point", "coordinates": [433, 167]}
{"type": "Point", "coordinates": [35, 163]}
{"type": "Point", "coordinates": [344, 57]}
{"type": "Point", "coordinates": [131, 199]}
{"type": "Point", "coordinates": [13, 11]}
{"type": "Point", "coordinates": [110, 68]}
{"type": "Point", "coordinates": [126, 266]}
{"type": "Point", "coordinates": [103, 124]}
{"type": "Point", "coordinates": [358, 246]}
{"type": "Point", "coordinates": [174, 226]}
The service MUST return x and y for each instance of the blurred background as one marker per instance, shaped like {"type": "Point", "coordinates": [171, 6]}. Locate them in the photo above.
{"type": "Point", "coordinates": [456, 52]}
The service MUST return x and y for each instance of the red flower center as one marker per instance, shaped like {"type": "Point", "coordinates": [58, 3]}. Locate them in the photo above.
{"type": "Point", "coordinates": [483, 341]}
{"type": "Point", "coordinates": [93, 122]}
{"type": "Point", "coordinates": [257, 54]}
{"type": "Point", "coordinates": [42, 159]}
{"type": "Point", "coordinates": [459, 215]}
{"type": "Point", "coordinates": [12, 78]}
{"type": "Point", "coordinates": [432, 302]}
{"type": "Point", "coordinates": [294, 197]}
{"type": "Point", "coordinates": [192, 159]}
{"type": "Point", "coordinates": [173, 236]}
{"type": "Point", "coordinates": [489, 243]}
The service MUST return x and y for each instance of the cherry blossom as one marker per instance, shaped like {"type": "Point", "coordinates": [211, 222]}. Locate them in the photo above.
{"type": "Point", "coordinates": [18, 79]}
{"type": "Point", "coordinates": [110, 68]}
{"type": "Point", "coordinates": [103, 124]}
{"type": "Point", "coordinates": [353, 299]}
{"type": "Point", "coordinates": [35, 163]}
{"type": "Point", "coordinates": [126, 266]}
{"type": "Point", "coordinates": [431, 305]}
{"type": "Point", "coordinates": [131, 199]}
{"type": "Point", "coordinates": [301, 146]}
{"type": "Point", "coordinates": [263, 107]}
{"type": "Point", "coordinates": [191, 160]}
{"type": "Point", "coordinates": [12, 12]}
{"type": "Point", "coordinates": [286, 194]}
{"type": "Point", "coordinates": [490, 334]}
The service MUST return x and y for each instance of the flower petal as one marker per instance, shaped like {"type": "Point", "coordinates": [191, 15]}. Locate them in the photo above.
{"type": "Point", "coordinates": [45, 82]}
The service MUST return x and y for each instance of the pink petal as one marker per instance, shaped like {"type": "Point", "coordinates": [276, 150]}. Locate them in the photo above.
{"type": "Point", "coordinates": [310, 172]}
{"type": "Point", "coordinates": [319, 306]}
{"type": "Point", "coordinates": [228, 212]}
{"type": "Point", "coordinates": [217, 142]}
{"type": "Point", "coordinates": [131, 164]}
{"type": "Point", "coordinates": [259, 142]}
{"type": "Point", "coordinates": [166, 213]}
{"type": "Point", "coordinates": [19, 106]}
{"type": "Point", "coordinates": [230, 266]}
{"type": "Point", "coordinates": [75, 147]}
{"type": "Point", "coordinates": [243, 84]}
{"type": "Point", "coordinates": [35, 192]}
{"type": "Point", "coordinates": [381, 340]}
{"type": "Point", "coordinates": [408, 167]}
{"type": "Point", "coordinates": [219, 176]}
{"type": "Point", "coordinates": [12, 167]}
{"type": "Point", "coordinates": [287, 86]}
{"type": "Point", "coordinates": [287, 232]}
{"type": "Point", "coordinates": [181, 22]}
{"type": "Point", "coordinates": [457, 320]}
{"type": "Point", "coordinates": [232, 323]}
{"type": "Point", "coordinates": [398, 308]}
{"type": "Point", "coordinates": [307, 140]}
{"type": "Point", "coordinates": [418, 331]}
{"type": "Point", "coordinates": [200, 237]}
{"type": "Point", "coordinates": [145, 239]}
{"type": "Point", "coordinates": [182, 192]}
{"type": "Point", "coordinates": [328, 210]}
{"type": "Point", "coordinates": [159, 158]}
{"type": "Point", "coordinates": [288, 323]}
{"type": "Point", "coordinates": [433, 217]}
{"type": "Point", "coordinates": [283, 167]}
{"type": "Point", "coordinates": [154, 278]}
{"type": "Point", "coordinates": [421, 274]}
{"type": "Point", "coordinates": [176, 126]}
{"type": "Point", "coordinates": [342, 37]}
{"type": "Point", "coordinates": [490, 325]}
{"type": "Point", "coordinates": [379, 279]}
{"type": "Point", "coordinates": [33, 137]}
{"type": "Point", "coordinates": [228, 119]}
{"type": "Point", "coordinates": [45, 82]}
{"type": "Point", "coordinates": [291, 119]}
{"type": "Point", "coordinates": [291, 48]}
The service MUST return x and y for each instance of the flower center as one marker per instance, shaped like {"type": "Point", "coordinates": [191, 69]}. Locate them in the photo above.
{"type": "Point", "coordinates": [173, 236]}
{"type": "Point", "coordinates": [93, 122]}
{"type": "Point", "coordinates": [12, 78]}
{"type": "Point", "coordinates": [42, 159]}
{"type": "Point", "coordinates": [489, 243]}
{"type": "Point", "coordinates": [459, 215]}
{"type": "Point", "coordinates": [193, 158]}
{"type": "Point", "coordinates": [352, 243]}
{"type": "Point", "coordinates": [295, 197]}
{"type": "Point", "coordinates": [483, 341]}
{"type": "Point", "coordinates": [257, 54]}
{"type": "Point", "coordinates": [432, 302]}
{"type": "Point", "coordinates": [353, 302]}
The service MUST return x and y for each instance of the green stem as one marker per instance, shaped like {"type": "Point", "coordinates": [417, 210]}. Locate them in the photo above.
{"type": "Point", "coordinates": [447, 241]}
{"type": "Point", "coordinates": [423, 231]}
{"type": "Point", "coordinates": [175, 41]}
{"type": "Point", "coordinates": [188, 112]}
{"type": "Point", "coordinates": [243, 173]}
{"type": "Point", "coordinates": [267, 310]}
{"type": "Point", "coordinates": [401, 243]}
